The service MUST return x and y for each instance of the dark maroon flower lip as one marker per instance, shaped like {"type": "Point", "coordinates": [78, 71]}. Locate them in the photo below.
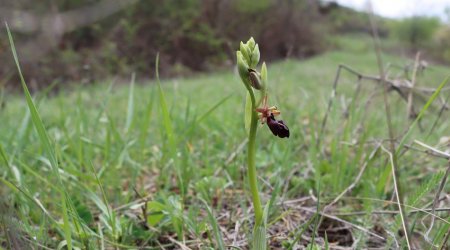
{"type": "Point", "coordinates": [277, 127]}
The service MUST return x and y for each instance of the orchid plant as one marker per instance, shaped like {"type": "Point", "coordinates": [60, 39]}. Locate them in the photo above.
{"type": "Point", "coordinates": [254, 81]}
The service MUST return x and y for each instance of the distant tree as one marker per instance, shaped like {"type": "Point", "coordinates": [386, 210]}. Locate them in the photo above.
{"type": "Point", "coordinates": [417, 31]}
{"type": "Point", "coordinates": [49, 27]}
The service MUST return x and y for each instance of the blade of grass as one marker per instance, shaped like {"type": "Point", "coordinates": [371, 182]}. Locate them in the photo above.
{"type": "Point", "coordinates": [57, 224]}
{"type": "Point", "coordinates": [130, 109]}
{"type": "Point", "coordinates": [167, 123]}
{"type": "Point", "coordinates": [146, 120]}
{"type": "Point", "coordinates": [44, 138]}
{"type": "Point", "coordinates": [397, 196]}
{"type": "Point", "coordinates": [318, 221]}
{"type": "Point", "coordinates": [387, 108]}
{"type": "Point", "coordinates": [17, 189]}
{"type": "Point", "coordinates": [20, 132]}
{"type": "Point", "coordinates": [103, 105]}
{"type": "Point", "coordinates": [441, 111]}
{"type": "Point", "coordinates": [164, 110]}
{"type": "Point", "coordinates": [206, 114]}
{"type": "Point", "coordinates": [66, 225]}
{"type": "Point", "coordinates": [215, 227]}
{"type": "Point", "coordinates": [5, 159]}
{"type": "Point", "coordinates": [209, 111]}
{"type": "Point", "coordinates": [421, 113]}
{"type": "Point", "coordinates": [273, 197]}
{"type": "Point", "coordinates": [37, 121]}
{"type": "Point", "coordinates": [112, 218]}
{"type": "Point", "coordinates": [38, 176]}
{"type": "Point", "coordinates": [302, 231]}
{"type": "Point", "coordinates": [444, 244]}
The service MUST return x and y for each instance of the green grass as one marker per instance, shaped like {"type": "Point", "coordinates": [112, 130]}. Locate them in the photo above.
{"type": "Point", "coordinates": [137, 161]}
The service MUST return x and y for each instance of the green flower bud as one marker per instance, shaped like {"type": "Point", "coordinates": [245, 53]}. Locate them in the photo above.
{"type": "Point", "coordinates": [251, 43]}
{"type": "Point", "coordinates": [250, 52]}
{"type": "Point", "coordinates": [255, 55]}
{"type": "Point", "coordinates": [243, 48]}
{"type": "Point", "coordinates": [242, 68]}
{"type": "Point", "coordinates": [255, 79]}
{"type": "Point", "coordinates": [247, 59]}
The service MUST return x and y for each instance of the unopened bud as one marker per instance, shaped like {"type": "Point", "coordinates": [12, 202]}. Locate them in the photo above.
{"type": "Point", "coordinates": [255, 79]}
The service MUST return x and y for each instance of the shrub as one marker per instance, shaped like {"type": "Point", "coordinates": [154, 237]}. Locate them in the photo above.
{"type": "Point", "coordinates": [195, 35]}
{"type": "Point", "coordinates": [416, 31]}
{"type": "Point", "coordinates": [441, 41]}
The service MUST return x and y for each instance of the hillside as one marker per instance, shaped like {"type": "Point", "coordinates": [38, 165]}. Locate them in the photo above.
{"type": "Point", "coordinates": [111, 142]}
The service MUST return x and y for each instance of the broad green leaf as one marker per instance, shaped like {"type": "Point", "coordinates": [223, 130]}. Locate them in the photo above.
{"type": "Point", "coordinates": [155, 206]}
{"type": "Point", "coordinates": [154, 218]}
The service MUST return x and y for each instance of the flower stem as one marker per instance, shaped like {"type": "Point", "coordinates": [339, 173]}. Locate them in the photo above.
{"type": "Point", "coordinates": [252, 177]}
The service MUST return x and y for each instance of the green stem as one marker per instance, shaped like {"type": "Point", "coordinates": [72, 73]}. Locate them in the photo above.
{"type": "Point", "coordinates": [252, 177]}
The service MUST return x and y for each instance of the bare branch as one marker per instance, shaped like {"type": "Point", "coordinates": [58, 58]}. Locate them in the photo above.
{"type": "Point", "coordinates": [435, 151]}
{"type": "Point", "coordinates": [343, 221]}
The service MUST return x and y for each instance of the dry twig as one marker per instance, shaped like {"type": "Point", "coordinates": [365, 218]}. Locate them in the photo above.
{"type": "Point", "coordinates": [392, 152]}
{"type": "Point", "coordinates": [342, 221]}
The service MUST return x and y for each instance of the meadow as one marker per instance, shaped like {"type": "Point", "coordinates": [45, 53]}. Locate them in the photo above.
{"type": "Point", "coordinates": [134, 165]}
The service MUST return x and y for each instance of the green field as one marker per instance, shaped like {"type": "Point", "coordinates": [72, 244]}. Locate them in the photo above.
{"type": "Point", "coordinates": [126, 168]}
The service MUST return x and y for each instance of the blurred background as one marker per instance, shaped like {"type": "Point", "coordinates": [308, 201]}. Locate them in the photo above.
{"type": "Point", "coordinates": [87, 41]}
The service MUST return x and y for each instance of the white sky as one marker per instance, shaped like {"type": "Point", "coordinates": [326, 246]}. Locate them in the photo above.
{"type": "Point", "coordinates": [402, 8]}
